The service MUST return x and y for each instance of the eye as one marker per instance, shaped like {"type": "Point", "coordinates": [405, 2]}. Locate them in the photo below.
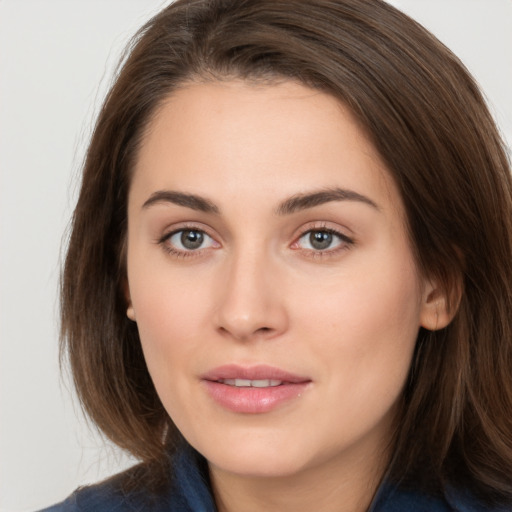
{"type": "Point", "coordinates": [322, 240]}
{"type": "Point", "coordinates": [187, 240]}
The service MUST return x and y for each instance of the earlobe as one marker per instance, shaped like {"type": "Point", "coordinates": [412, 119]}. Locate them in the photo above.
{"type": "Point", "coordinates": [130, 312]}
{"type": "Point", "coordinates": [437, 311]}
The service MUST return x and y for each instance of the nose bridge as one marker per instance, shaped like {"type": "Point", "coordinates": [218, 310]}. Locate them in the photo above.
{"type": "Point", "coordinates": [250, 300]}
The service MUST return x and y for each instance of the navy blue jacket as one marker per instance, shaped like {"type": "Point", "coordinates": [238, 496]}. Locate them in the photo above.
{"type": "Point", "coordinates": [191, 494]}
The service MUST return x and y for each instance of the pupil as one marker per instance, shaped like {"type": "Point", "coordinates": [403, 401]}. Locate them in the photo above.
{"type": "Point", "coordinates": [320, 239]}
{"type": "Point", "coordinates": [192, 239]}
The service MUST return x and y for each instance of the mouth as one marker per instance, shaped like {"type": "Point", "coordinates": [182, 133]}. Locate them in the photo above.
{"type": "Point", "coordinates": [253, 390]}
{"type": "Point", "coordinates": [253, 376]}
{"type": "Point", "coordinates": [247, 383]}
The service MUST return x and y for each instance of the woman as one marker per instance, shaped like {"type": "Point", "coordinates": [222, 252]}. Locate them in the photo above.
{"type": "Point", "coordinates": [288, 284]}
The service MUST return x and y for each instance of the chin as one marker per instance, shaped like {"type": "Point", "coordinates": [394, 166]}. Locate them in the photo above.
{"type": "Point", "coordinates": [254, 454]}
{"type": "Point", "coordinates": [259, 465]}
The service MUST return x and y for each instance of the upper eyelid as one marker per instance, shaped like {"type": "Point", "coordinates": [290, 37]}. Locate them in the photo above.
{"type": "Point", "coordinates": [343, 238]}
{"type": "Point", "coordinates": [334, 231]}
{"type": "Point", "coordinates": [331, 227]}
{"type": "Point", "coordinates": [192, 226]}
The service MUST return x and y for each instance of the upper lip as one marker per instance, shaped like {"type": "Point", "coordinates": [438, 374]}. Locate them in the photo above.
{"type": "Point", "coordinates": [256, 372]}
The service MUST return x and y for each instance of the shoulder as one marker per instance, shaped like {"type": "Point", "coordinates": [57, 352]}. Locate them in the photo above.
{"type": "Point", "coordinates": [463, 500]}
{"type": "Point", "coordinates": [101, 497]}
{"type": "Point", "coordinates": [391, 498]}
{"type": "Point", "coordinates": [187, 491]}
{"type": "Point", "coordinates": [396, 499]}
{"type": "Point", "coordinates": [108, 497]}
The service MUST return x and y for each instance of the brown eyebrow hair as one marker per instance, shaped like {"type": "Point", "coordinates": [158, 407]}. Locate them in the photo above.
{"type": "Point", "coordinates": [293, 204]}
{"type": "Point", "coordinates": [182, 199]}
{"type": "Point", "coordinates": [311, 199]}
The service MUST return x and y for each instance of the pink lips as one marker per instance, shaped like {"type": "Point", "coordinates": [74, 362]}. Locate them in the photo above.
{"type": "Point", "coordinates": [253, 390]}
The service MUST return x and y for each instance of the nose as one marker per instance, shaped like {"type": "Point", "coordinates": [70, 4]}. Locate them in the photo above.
{"type": "Point", "coordinates": [252, 298]}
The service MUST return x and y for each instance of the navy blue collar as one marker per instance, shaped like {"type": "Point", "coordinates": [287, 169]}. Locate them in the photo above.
{"type": "Point", "coordinates": [192, 481]}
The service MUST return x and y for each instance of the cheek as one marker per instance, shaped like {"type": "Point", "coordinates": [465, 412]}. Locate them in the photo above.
{"type": "Point", "coordinates": [367, 320]}
{"type": "Point", "coordinates": [169, 314]}
{"type": "Point", "coordinates": [166, 314]}
{"type": "Point", "coordinates": [167, 320]}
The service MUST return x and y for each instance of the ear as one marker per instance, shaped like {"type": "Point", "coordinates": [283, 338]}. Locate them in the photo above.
{"type": "Point", "coordinates": [439, 305]}
{"type": "Point", "coordinates": [130, 311]}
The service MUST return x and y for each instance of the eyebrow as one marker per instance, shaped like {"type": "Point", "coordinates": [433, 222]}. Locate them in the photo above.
{"type": "Point", "coordinates": [294, 204]}
{"type": "Point", "coordinates": [181, 199]}
{"type": "Point", "coordinates": [304, 201]}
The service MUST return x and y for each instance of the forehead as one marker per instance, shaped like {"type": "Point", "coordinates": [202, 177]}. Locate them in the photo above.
{"type": "Point", "coordinates": [238, 138]}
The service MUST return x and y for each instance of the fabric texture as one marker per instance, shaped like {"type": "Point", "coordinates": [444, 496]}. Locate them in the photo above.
{"type": "Point", "coordinates": [192, 494]}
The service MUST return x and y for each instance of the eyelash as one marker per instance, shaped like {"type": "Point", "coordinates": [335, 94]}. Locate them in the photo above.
{"type": "Point", "coordinates": [345, 242]}
{"type": "Point", "coordinates": [164, 242]}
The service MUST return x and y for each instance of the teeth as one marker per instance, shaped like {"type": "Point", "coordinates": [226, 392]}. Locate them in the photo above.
{"type": "Point", "coordinates": [265, 383]}
{"type": "Point", "coordinates": [246, 383]}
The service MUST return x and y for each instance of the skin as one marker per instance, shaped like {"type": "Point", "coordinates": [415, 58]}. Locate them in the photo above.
{"type": "Point", "coordinates": [256, 291]}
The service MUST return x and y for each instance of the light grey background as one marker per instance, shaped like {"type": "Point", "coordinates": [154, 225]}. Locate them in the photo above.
{"type": "Point", "coordinates": [56, 61]}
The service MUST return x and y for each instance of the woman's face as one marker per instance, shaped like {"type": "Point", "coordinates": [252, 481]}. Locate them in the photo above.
{"type": "Point", "coordinates": [271, 277]}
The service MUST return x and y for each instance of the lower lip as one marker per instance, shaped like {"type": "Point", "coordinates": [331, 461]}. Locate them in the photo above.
{"type": "Point", "coordinates": [252, 400]}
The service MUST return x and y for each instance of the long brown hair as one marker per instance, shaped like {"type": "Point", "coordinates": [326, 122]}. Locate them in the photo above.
{"type": "Point", "coordinates": [429, 122]}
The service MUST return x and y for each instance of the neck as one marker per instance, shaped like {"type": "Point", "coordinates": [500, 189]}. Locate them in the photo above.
{"type": "Point", "coordinates": [333, 486]}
